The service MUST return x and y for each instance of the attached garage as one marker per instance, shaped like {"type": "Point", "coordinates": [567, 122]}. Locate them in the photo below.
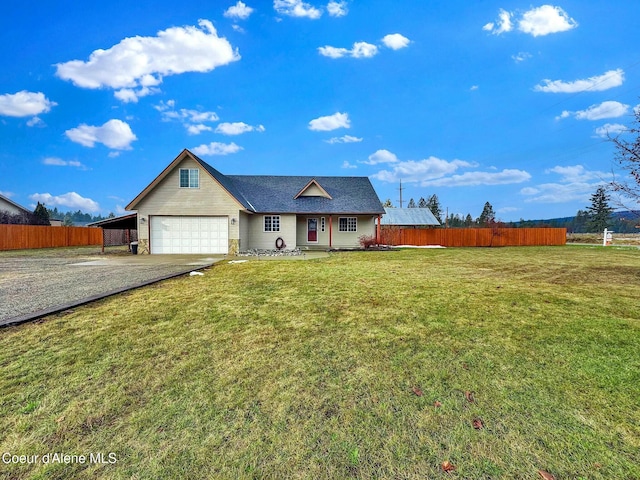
{"type": "Point", "coordinates": [189, 234]}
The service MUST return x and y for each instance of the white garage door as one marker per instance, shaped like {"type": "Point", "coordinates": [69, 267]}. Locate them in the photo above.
{"type": "Point", "coordinates": [189, 235]}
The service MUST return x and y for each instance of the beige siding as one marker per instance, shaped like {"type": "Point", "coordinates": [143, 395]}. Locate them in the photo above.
{"type": "Point", "coordinates": [366, 226]}
{"type": "Point", "coordinates": [258, 238]}
{"type": "Point", "coordinates": [167, 198]}
{"type": "Point", "coordinates": [245, 220]}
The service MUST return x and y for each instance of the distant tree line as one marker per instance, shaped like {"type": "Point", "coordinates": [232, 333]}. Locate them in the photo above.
{"type": "Point", "coordinates": [43, 215]}
{"type": "Point", "coordinates": [76, 218]}
{"type": "Point", "coordinates": [487, 217]}
{"type": "Point", "coordinates": [594, 218]}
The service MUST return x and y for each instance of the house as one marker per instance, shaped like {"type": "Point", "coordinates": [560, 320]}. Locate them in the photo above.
{"type": "Point", "coordinates": [409, 218]}
{"type": "Point", "coordinates": [8, 205]}
{"type": "Point", "coordinates": [193, 208]}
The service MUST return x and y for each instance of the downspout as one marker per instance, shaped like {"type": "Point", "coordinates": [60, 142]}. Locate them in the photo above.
{"type": "Point", "coordinates": [378, 231]}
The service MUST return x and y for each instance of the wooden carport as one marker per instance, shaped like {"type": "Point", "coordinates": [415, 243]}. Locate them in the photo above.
{"type": "Point", "coordinates": [118, 230]}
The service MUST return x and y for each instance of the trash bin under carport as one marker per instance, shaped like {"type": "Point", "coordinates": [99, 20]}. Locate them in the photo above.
{"type": "Point", "coordinates": [134, 248]}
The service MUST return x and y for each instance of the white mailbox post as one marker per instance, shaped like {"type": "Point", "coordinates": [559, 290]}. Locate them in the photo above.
{"type": "Point", "coordinates": [607, 238]}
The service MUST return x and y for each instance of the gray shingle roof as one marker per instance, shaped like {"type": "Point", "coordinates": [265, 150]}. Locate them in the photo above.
{"type": "Point", "coordinates": [275, 194]}
{"type": "Point", "coordinates": [408, 216]}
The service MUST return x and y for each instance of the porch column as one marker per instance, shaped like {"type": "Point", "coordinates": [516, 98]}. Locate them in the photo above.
{"type": "Point", "coordinates": [378, 231]}
{"type": "Point", "coordinates": [330, 231]}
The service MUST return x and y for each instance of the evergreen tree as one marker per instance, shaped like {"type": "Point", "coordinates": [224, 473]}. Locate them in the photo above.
{"type": "Point", "coordinates": [468, 220]}
{"type": "Point", "coordinates": [41, 215]}
{"type": "Point", "coordinates": [433, 204]}
{"type": "Point", "coordinates": [422, 203]}
{"type": "Point", "coordinates": [488, 216]}
{"type": "Point", "coordinates": [387, 203]}
{"type": "Point", "coordinates": [411, 204]}
{"type": "Point", "coordinates": [599, 213]}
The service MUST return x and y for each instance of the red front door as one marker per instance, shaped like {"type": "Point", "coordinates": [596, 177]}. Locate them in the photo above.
{"type": "Point", "coordinates": [312, 229]}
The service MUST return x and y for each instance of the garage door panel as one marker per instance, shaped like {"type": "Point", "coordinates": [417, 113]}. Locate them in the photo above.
{"type": "Point", "coordinates": [189, 234]}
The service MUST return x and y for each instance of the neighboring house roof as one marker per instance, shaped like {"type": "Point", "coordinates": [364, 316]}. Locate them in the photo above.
{"type": "Point", "coordinates": [286, 194]}
{"type": "Point", "coordinates": [408, 216]}
{"type": "Point", "coordinates": [9, 205]}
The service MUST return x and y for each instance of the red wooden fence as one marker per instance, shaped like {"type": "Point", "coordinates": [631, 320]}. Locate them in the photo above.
{"type": "Point", "coordinates": [16, 237]}
{"type": "Point", "coordinates": [474, 237]}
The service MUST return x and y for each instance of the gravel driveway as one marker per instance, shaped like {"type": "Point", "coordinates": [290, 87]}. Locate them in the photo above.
{"type": "Point", "coordinates": [38, 280]}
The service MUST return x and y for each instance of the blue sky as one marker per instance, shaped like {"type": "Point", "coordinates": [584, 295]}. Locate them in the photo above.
{"type": "Point", "coordinates": [500, 101]}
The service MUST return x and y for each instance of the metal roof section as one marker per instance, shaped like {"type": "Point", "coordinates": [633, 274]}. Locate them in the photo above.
{"type": "Point", "coordinates": [408, 216]}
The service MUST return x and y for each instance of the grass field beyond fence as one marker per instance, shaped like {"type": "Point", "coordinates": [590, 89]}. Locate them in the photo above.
{"type": "Point", "coordinates": [501, 362]}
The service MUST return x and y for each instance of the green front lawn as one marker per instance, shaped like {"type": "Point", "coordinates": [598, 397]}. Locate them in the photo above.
{"type": "Point", "coordinates": [361, 365]}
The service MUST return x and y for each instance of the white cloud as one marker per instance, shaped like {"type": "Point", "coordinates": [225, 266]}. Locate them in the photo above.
{"type": "Point", "coordinates": [115, 134]}
{"type": "Point", "coordinates": [545, 20]}
{"type": "Point", "coordinates": [521, 57]}
{"type": "Point", "coordinates": [239, 10]}
{"type": "Point", "coordinates": [296, 8]}
{"type": "Point", "coordinates": [337, 9]}
{"type": "Point", "coordinates": [421, 171]}
{"type": "Point", "coordinates": [469, 179]}
{"type": "Point", "coordinates": [237, 128]}
{"type": "Point", "coordinates": [330, 122]}
{"type": "Point", "coordinates": [507, 209]}
{"type": "Point", "coordinates": [608, 109]}
{"type": "Point", "coordinates": [197, 129]}
{"type": "Point", "coordinates": [24, 104]}
{"type": "Point", "coordinates": [344, 139]}
{"type": "Point", "coordinates": [193, 120]}
{"type": "Point", "coordinates": [612, 129]}
{"type": "Point", "coordinates": [6, 194]}
{"type": "Point", "coordinates": [395, 41]}
{"type": "Point", "coordinates": [610, 79]}
{"type": "Point", "coordinates": [216, 148]}
{"type": "Point", "coordinates": [32, 122]}
{"type": "Point", "coordinates": [333, 52]}
{"type": "Point", "coordinates": [502, 25]}
{"type": "Point", "coordinates": [537, 21]}
{"type": "Point", "coordinates": [381, 156]}
{"type": "Point", "coordinates": [359, 50]}
{"type": "Point", "coordinates": [474, 88]}
{"type": "Point", "coordinates": [575, 184]}
{"type": "Point", "coordinates": [71, 200]}
{"type": "Point", "coordinates": [58, 162]}
{"type": "Point", "coordinates": [576, 173]}
{"type": "Point", "coordinates": [346, 164]}
{"type": "Point", "coordinates": [136, 65]}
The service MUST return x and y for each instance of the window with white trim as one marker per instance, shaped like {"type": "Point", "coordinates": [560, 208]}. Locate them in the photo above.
{"type": "Point", "coordinates": [322, 224]}
{"type": "Point", "coordinates": [189, 178]}
{"type": "Point", "coordinates": [347, 224]}
{"type": "Point", "coordinates": [272, 223]}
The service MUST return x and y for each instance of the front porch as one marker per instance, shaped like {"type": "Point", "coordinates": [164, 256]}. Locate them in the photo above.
{"type": "Point", "coordinates": [322, 232]}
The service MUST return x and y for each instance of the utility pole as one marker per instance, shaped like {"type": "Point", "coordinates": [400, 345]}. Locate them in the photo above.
{"type": "Point", "coordinates": [400, 193]}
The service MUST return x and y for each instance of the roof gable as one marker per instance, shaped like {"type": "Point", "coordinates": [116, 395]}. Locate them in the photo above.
{"type": "Point", "coordinates": [218, 177]}
{"type": "Point", "coordinates": [313, 189]}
